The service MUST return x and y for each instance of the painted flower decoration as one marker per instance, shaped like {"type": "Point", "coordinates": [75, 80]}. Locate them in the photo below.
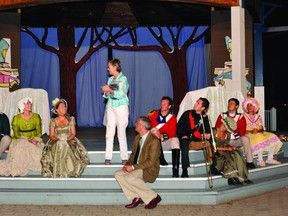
{"type": "Point", "coordinates": [55, 101]}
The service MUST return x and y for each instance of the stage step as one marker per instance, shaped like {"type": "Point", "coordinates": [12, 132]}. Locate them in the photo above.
{"type": "Point", "coordinates": [97, 191]}
{"type": "Point", "coordinates": [98, 157]}
{"type": "Point", "coordinates": [98, 186]}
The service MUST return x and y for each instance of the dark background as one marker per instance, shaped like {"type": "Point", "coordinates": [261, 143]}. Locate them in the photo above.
{"type": "Point", "coordinates": [275, 62]}
{"type": "Point", "coordinates": [275, 69]}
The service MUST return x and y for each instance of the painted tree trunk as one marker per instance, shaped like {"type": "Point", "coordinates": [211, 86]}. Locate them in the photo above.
{"type": "Point", "coordinates": [177, 64]}
{"type": "Point", "coordinates": [68, 69]}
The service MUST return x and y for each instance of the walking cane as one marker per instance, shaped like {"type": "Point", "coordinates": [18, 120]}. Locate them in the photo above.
{"type": "Point", "coordinates": [206, 155]}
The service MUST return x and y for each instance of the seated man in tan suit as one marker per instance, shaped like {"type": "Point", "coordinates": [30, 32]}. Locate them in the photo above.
{"type": "Point", "coordinates": [143, 166]}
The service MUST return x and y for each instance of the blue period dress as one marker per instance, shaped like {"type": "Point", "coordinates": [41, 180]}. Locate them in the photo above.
{"type": "Point", "coordinates": [63, 158]}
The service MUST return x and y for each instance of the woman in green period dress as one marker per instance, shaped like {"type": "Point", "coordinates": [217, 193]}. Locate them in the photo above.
{"type": "Point", "coordinates": [63, 155]}
{"type": "Point", "coordinates": [229, 160]}
{"type": "Point", "coordinates": [26, 147]}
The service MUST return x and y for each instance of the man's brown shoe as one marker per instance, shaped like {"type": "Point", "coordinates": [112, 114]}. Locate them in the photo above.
{"type": "Point", "coordinates": [135, 203]}
{"type": "Point", "coordinates": [153, 203]}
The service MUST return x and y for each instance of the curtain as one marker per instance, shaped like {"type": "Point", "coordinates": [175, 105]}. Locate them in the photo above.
{"type": "Point", "coordinates": [147, 73]}
{"type": "Point", "coordinates": [149, 81]}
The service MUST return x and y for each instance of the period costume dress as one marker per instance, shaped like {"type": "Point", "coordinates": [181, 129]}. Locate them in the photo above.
{"type": "Point", "coordinates": [23, 155]}
{"type": "Point", "coordinates": [261, 141]}
{"type": "Point", "coordinates": [238, 137]}
{"type": "Point", "coordinates": [63, 158]}
{"type": "Point", "coordinates": [231, 164]}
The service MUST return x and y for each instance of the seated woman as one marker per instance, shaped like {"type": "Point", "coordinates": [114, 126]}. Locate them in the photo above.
{"type": "Point", "coordinates": [26, 147]}
{"type": "Point", "coordinates": [5, 138]}
{"type": "Point", "coordinates": [229, 161]}
{"type": "Point", "coordinates": [260, 140]}
{"type": "Point", "coordinates": [63, 155]}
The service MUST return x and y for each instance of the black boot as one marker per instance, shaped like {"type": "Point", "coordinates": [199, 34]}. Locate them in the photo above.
{"type": "Point", "coordinates": [163, 162]}
{"type": "Point", "coordinates": [234, 181]}
{"type": "Point", "coordinates": [184, 173]}
{"type": "Point", "coordinates": [184, 145]}
{"type": "Point", "coordinates": [214, 171]}
{"type": "Point", "coordinates": [175, 162]}
{"type": "Point", "coordinates": [250, 165]}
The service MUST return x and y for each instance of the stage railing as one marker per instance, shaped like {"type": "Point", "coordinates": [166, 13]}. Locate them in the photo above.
{"type": "Point", "coordinates": [271, 119]}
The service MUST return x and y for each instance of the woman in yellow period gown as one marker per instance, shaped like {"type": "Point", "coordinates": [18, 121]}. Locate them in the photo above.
{"type": "Point", "coordinates": [25, 150]}
{"type": "Point", "coordinates": [63, 155]}
{"type": "Point", "coordinates": [260, 140]}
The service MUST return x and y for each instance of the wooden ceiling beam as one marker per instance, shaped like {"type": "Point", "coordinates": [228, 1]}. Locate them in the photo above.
{"type": "Point", "coordinates": [219, 3]}
{"type": "Point", "coordinates": [15, 4]}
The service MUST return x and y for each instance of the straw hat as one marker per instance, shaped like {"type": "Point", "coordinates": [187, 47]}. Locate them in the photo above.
{"type": "Point", "coordinates": [56, 102]}
{"type": "Point", "coordinates": [230, 124]}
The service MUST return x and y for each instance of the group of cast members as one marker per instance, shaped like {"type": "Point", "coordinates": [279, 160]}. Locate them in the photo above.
{"type": "Point", "coordinates": [65, 156]}
{"type": "Point", "coordinates": [160, 131]}
{"type": "Point", "coordinates": [232, 134]}
{"type": "Point", "coordinates": [62, 156]}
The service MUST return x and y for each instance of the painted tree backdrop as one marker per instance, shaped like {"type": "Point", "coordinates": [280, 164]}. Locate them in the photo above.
{"type": "Point", "coordinates": [171, 42]}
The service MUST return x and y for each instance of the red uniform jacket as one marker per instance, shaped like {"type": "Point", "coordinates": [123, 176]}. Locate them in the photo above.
{"type": "Point", "coordinates": [169, 127]}
{"type": "Point", "coordinates": [238, 118]}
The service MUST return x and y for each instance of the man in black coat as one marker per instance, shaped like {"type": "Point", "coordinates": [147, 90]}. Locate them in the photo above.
{"type": "Point", "coordinates": [191, 127]}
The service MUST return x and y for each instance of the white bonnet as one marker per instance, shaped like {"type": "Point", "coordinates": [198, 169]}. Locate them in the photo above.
{"type": "Point", "coordinates": [21, 103]}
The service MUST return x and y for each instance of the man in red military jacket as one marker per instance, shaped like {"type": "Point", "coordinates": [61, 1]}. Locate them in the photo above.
{"type": "Point", "coordinates": [238, 138]}
{"type": "Point", "coordinates": [164, 126]}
